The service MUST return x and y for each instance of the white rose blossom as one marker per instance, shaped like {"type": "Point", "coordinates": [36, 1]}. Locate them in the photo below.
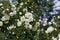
{"type": "Point", "coordinates": [5, 17]}
{"type": "Point", "coordinates": [28, 26]}
{"type": "Point", "coordinates": [1, 4]}
{"type": "Point", "coordinates": [12, 13]}
{"type": "Point", "coordinates": [22, 18]}
{"type": "Point", "coordinates": [28, 15]}
{"type": "Point", "coordinates": [58, 17]}
{"type": "Point", "coordinates": [49, 29]}
{"type": "Point", "coordinates": [19, 23]}
{"type": "Point", "coordinates": [1, 23]}
{"type": "Point", "coordinates": [20, 13]}
{"type": "Point", "coordinates": [11, 27]}
{"type": "Point", "coordinates": [53, 38]}
{"type": "Point", "coordinates": [37, 24]}
{"type": "Point", "coordinates": [21, 3]}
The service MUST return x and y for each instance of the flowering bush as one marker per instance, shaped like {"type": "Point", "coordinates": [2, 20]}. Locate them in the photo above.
{"type": "Point", "coordinates": [30, 20]}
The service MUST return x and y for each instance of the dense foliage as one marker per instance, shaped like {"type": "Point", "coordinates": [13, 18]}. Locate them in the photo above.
{"type": "Point", "coordinates": [30, 20]}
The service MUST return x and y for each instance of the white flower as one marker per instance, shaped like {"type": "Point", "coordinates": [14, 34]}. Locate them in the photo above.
{"type": "Point", "coordinates": [13, 5]}
{"type": "Point", "coordinates": [49, 29]}
{"type": "Point", "coordinates": [32, 11]}
{"type": "Point", "coordinates": [11, 27]}
{"type": "Point", "coordinates": [20, 13]}
{"type": "Point", "coordinates": [25, 2]}
{"type": "Point", "coordinates": [54, 23]}
{"type": "Point", "coordinates": [59, 39]}
{"type": "Point", "coordinates": [1, 4]}
{"type": "Point", "coordinates": [56, 29]}
{"type": "Point", "coordinates": [40, 20]}
{"type": "Point", "coordinates": [5, 17]}
{"type": "Point", "coordinates": [58, 17]}
{"type": "Point", "coordinates": [44, 24]}
{"type": "Point", "coordinates": [28, 15]}
{"type": "Point", "coordinates": [2, 7]}
{"type": "Point", "coordinates": [59, 35]}
{"type": "Point", "coordinates": [53, 38]}
{"type": "Point", "coordinates": [1, 23]}
{"type": "Point", "coordinates": [21, 3]}
{"type": "Point", "coordinates": [13, 33]}
{"type": "Point", "coordinates": [19, 23]}
{"type": "Point", "coordinates": [12, 13]}
{"type": "Point", "coordinates": [30, 27]}
{"type": "Point", "coordinates": [49, 23]}
{"type": "Point", "coordinates": [31, 19]}
{"type": "Point", "coordinates": [13, 8]}
{"type": "Point", "coordinates": [22, 18]}
{"type": "Point", "coordinates": [7, 9]}
{"type": "Point", "coordinates": [37, 24]}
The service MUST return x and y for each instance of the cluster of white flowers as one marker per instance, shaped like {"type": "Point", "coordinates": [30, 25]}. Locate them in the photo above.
{"type": "Point", "coordinates": [11, 27]}
{"type": "Point", "coordinates": [29, 16]}
{"type": "Point", "coordinates": [27, 19]}
{"type": "Point", "coordinates": [29, 26]}
{"type": "Point", "coordinates": [53, 38]}
{"type": "Point", "coordinates": [56, 38]}
{"type": "Point", "coordinates": [12, 13]}
{"type": "Point", "coordinates": [36, 26]}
